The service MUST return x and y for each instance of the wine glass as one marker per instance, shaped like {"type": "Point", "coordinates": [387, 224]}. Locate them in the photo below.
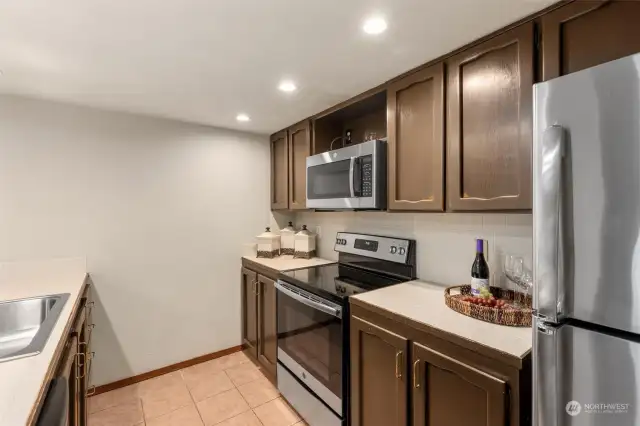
{"type": "Point", "coordinates": [512, 269]}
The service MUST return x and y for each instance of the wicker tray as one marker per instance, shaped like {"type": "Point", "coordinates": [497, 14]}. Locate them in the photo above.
{"type": "Point", "coordinates": [508, 315]}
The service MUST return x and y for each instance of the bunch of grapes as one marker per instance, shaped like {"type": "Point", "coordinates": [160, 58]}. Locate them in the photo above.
{"type": "Point", "coordinates": [485, 299]}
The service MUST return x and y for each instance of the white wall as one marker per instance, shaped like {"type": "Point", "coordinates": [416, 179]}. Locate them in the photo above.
{"type": "Point", "coordinates": [445, 241]}
{"type": "Point", "coordinates": [159, 208]}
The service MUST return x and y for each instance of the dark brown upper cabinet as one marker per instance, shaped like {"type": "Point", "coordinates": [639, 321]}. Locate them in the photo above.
{"type": "Point", "coordinates": [583, 34]}
{"type": "Point", "coordinates": [267, 338]}
{"type": "Point", "coordinates": [489, 123]}
{"type": "Point", "coordinates": [438, 379]}
{"type": "Point", "coordinates": [280, 171]}
{"type": "Point", "coordinates": [249, 282]}
{"type": "Point", "coordinates": [299, 150]}
{"type": "Point", "coordinates": [378, 375]}
{"type": "Point", "coordinates": [415, 124]}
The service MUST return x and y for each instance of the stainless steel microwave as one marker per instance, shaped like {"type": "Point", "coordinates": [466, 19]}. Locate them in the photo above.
{"type": "Point", "coordinates": [352, 178]}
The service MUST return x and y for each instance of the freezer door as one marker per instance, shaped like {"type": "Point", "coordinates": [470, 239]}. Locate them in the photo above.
{"type": "Point", "coordinates": [584, 378]}
{"type": "Point", "coordinates": [586, 203]}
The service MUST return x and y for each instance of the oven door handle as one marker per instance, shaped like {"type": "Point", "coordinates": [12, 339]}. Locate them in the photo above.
{"type": "Point", "coordinates": [352, 168]}
{"type": "Point", "coordinates": [309, 302]}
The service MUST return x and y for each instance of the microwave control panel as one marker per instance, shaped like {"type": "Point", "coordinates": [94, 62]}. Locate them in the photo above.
{"type": "Point", "coordinates": [367, 176]}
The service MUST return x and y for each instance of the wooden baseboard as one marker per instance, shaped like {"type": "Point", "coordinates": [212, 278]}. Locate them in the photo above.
{"type": "Point", "coordinates": [164, 370]}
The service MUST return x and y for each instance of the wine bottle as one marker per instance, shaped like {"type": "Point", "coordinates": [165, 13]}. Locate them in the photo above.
{"type": "Point", "coordinates": [479, 270]}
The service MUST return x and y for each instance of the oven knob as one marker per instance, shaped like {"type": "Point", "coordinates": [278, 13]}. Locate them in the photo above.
{"type": "Point", "coordinates": [393, 250]}
{"type": "Point", "coordinates": [402, 251]}
{"type": "Point", "coordinates": [344, 242]}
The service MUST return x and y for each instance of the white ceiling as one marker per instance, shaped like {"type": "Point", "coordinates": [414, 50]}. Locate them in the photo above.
{"type": "Point", "coordinates": [205, 61]}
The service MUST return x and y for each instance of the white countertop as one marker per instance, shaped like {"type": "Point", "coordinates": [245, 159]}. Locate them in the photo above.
{"type": "Point", "coordinates": [21, 380]}
{"type": "Point", "coordinates": [287, 263]}
{"type": "Point", "coordinates": [424, 302]}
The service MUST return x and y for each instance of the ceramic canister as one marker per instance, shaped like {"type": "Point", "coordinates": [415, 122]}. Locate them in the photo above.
{"type": "Point", "coordinates": [287, 240]}
{"type": "Point", "coordinates": [305, 244]}
{"type": "Point", "coordinates": [268, 244]}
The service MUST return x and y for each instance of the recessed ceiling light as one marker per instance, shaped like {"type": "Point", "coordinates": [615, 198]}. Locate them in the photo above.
{"type": "Point", "coordinates": [287, 86]}
{"type": "Point", "coordinates": [374, 25]}
{"type": "Point", "coordinates": [243, 117]}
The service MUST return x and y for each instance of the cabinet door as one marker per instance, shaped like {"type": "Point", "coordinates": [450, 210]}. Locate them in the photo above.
{"type": "Point", "coordinates": [378, 376]}
{"type": "Point", "coordinates": [299, 150]}
{"type": "Point", "coordinates": [415, 117]}
{"type": "Point", "coordinates": [489, 133]}
{"type": "Point", "coordinates": [267, 338]}
{"type": "Point", "coordinates": [279, 171]}
{"type": "Point", "coordinates": [447, 391]}
{"type": "Point", "coordinates": [69, 371]}
{"type": "Point", "coordinates": [583, 34]}
{"type": "Point", "coordinates": [249, 280]}
{"type": "Point", "coordinates": [82, 359]}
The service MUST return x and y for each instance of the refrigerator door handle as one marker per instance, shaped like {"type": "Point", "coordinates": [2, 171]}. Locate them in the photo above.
{"type": "Point", "coordinates": [545, 372]}
{"type": "Point", "coordinates": [548, 294]}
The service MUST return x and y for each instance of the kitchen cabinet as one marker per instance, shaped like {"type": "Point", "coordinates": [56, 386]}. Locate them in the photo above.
{"type": "Point", "coordinates": [441, 381]}
{"type": "Point", "coordinates": [378, 375]}
{"type": "Point", "coordinates": [280, 171]}
{"type": "Point", "coordinates": [69, 370]}
{"type": "Point", "coordinates": [267, 337]}
{"type": "Point", "coordinates": [249, 282]}
{"type": "Point", "coordinates": [259, 337]}
{"type": "Point", "coordinates": [73, 363]}
{"type": "Point", "coordinates": [583, 34]}
{"type": "Point", "coordinates": [403, 372]}
{"type": "Point", "coordinates": [289, 151]}
{"type": "Point", "coordinates": [489, 123]}
{"type": "Point", "coordinates": [416, 141]}
{"type": "Point", "coordinates": [299, 150]}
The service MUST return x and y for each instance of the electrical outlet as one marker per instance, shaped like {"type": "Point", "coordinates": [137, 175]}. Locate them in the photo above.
{"type": "Point", "coordinates": [318, 230]}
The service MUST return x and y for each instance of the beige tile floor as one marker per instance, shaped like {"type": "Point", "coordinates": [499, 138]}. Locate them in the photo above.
{"type": "Point", "coordinates": [227, 391]}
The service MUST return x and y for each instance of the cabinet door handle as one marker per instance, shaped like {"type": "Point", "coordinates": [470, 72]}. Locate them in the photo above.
{"type": "Point", "coordinates": [416, 367]}
{"type": "Point", "coordinates": [398, 366]}
{"type": "Point", "coordinates": [91, 391]}
{"type": "Point", "coordinates": [257, 288]}
{"type": "Point", "coordinates": [80, 366]}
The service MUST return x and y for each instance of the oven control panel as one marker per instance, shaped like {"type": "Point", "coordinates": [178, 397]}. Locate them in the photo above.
{"type": "Point", "coordinates": [385, 248]}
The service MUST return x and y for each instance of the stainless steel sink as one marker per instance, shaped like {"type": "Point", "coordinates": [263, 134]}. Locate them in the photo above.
{"type": "Point", "coordinates": [25, 324]}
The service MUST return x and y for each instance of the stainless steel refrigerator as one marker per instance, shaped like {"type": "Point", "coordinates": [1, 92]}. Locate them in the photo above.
{"type": "Point", "coordinates": [586, 209]}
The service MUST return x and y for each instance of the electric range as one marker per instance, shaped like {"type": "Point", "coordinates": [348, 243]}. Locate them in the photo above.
{"type": "Point", "coordinates": [313, 321]}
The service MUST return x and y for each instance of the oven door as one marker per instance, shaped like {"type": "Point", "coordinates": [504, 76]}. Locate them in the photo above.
{"type": "Point", "coordinates": [310, 342]}
{"type": "Point", "coordinates": [347, 178]}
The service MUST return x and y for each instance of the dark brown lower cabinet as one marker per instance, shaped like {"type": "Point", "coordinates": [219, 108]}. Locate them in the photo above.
{"type": "Point", "coordinates": [68, 369]}
{"type": "Point", "coordinates": [267, 337]}
{"type": "Point", "coordinates": [441, 384]}
{"type": "Point", "coordinates": [249, 280]}
{"type": "Point", "coordinates": [259, 338]}
{"type": "Point", "coordinates": [378, 375]}
{"type": "Point", "coordinates": [405, 373]}
{"type": "Point", "coordinates": [75, 362]}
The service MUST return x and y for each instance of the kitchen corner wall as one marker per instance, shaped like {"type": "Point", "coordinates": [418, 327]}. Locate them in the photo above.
{"type": "Point", "coordinates": [160, 210]}
{"type": "Point", "coordinates": [445, 241]}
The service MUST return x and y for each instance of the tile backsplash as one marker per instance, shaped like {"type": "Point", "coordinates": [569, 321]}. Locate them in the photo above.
{"type": "Point", "coordinates": [445, 241]}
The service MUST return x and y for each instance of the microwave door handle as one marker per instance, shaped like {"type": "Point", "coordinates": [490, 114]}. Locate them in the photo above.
{"type": "Point", "coordinates": [309, 302]}
{"type": "Point", "coordinates": [352, 177]}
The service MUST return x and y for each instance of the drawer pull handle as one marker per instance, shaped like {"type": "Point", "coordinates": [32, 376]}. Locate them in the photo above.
{"type": "Point", "coordinates": [416, 380]}
{"type": "Point", "coordinates": [398, 367]}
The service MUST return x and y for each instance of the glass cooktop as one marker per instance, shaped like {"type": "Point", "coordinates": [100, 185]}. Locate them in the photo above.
{"type": "Point", "coordinates": [337, 281]}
